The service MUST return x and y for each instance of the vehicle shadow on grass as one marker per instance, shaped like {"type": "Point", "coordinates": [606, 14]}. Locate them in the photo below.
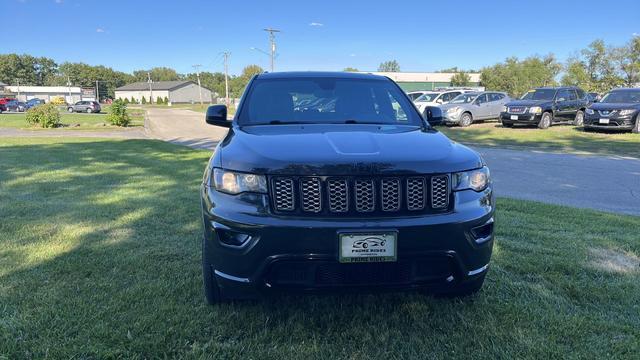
{"type": "Point", "coordinates": [100, 257]}
{"type": "Point", "coordinates": [558, 138]}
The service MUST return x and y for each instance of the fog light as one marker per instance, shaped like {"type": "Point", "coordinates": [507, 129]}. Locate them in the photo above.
{"type": "Point", "coordinates": [231, 237]}
{"type": "Point", "coordinates": [483, 233]}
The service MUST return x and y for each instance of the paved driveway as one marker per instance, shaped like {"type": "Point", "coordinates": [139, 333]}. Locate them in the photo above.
{"type": "Point", "coordinates": [598, 182]}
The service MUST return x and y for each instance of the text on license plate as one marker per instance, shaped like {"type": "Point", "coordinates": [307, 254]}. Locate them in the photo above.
{"type": "Point", "coordinates": [368, 247]}
{"type": "Point", "coordinates": [514, 117]}
{"type": "Point", "coordinates": [604, 121]}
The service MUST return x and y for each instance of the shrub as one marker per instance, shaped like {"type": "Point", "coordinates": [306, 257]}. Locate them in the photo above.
{"type": "Point", "coordinates": [144, 100]}
{"type": "Point", "coordinates": [159, 101]}
{"type": "Point", "coordinates": [133, 100]}
{"type": "Point", "coordinates": [46, 116]}
{"type": "Point", "coordinates": [166, 100]}
{"type": "Point", "coordinates": [119, 115]}
{"type": "Point", "coordinates": [126, 100]}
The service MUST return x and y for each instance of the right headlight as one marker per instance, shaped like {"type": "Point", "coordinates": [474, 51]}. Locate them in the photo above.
{"type": "Point", "coordinates": [590, 111]}
{"type": "Point", "coordinates": [476, 180]}
{"type": "Point", "coordinates": [232, 182]}
{"type": "Point", "coordinates": [535, 110]}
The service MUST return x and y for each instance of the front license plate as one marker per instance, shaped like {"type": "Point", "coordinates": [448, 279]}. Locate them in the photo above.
{"type": "Point", "coordinates": [368, 247]}
{"type": "Point", "coordinates": [514, 117]}
{"type": "Point", "coordinates": [604, 121]}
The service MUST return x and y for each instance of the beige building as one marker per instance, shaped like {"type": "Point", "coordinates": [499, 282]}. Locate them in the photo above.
{"type": "Point", "coordinates": [176, 91]}
{"type": "Point", "coordinates": [412, 81]}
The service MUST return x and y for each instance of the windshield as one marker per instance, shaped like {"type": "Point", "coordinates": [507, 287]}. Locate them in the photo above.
{"type": "Point", "coordinates": [464, 98]}
{"type": "Point", "coordinates": [539, 94]}
{"type": "Point", "coordinates": [622, 97]}
{"type": "Point", "coordinates": [325, 101]}
{"type": "Point", "coordinates": [429, 97]}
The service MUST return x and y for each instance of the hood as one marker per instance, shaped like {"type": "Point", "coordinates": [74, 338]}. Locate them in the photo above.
{"type": "Point", "coordinates": [528, 102]}
{"type": "Point", "coordinates": [614, 106]}
{"type": "Point", "coordinates": [342, 149]}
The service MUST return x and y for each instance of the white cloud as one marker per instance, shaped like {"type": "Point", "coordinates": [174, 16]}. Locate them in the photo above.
{"type": "Point", "coordinates": [317, 24]}
{"type": "Point", "coordinates": [635, 34]}
{"type": "Point", "coordinates": [352, 55]}
{"type": "Point", "coordinates": [99, 30]}
{"type": "Point", "coordinates": [58, 1]}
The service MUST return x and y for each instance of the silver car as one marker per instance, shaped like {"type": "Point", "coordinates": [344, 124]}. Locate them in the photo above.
{"type": "Point", "coordinates": [469, 107]}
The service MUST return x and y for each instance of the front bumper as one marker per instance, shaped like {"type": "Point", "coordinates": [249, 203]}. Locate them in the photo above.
{"type": "Point", "coordinates": [525, 118]}
{"type": "Point", "coordinates": [451, 118]}
{"type": "Point", "coordinates": [288, 253]}
{"type": "Point", "coordinates": [615, 123]}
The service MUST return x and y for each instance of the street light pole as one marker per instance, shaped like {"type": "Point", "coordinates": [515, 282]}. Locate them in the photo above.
{"type": "Point", "coordinates": [226, 78]}
{"type": "Point", "coordinates": [150, 90]}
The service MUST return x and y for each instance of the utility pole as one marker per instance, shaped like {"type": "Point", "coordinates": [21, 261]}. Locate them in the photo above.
{"type": "Point", "coordinates": [226, 77]}
{"type": "Point", "coordinates": [272, 40]}
{"type": "Point", "coordinates": [196, 67]}
{"type": "Point", "coordinates": [18, 88]}
{"type": "Point", "coordinates": [150, 90]}
{"type": "Point", "coordinates": [69, 88]}
{"type": "Point", "coordinates": [97, 91]}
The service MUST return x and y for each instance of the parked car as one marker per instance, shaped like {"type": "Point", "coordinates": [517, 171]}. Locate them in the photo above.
{"type": "Point", "coordinates": [290, 197]}
{"type": "Point", "coordinates": [58, 100]}
{"type": "Point", "coordinates": [33, 103]}
{"type": "Point", "coordinates": [436, 98]}
{"type": "Point", "coordinates": [15, 105]}
{"type": "Point", "coordinates": [4, 100]}
{"type": "Point", "coordinates": [2, 108]}
{"type": "Point", "coordinates": [413, 95]}
{"type": "Point", "coordinates": [619, 109]}
{"type": "Point", "coordinates": [546, 106]}
{"type": "Point", "coordinates": [85, 106]}
{"type": "Point", "coordinates": [473, 106]}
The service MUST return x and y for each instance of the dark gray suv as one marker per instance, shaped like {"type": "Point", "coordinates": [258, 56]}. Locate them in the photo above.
{"type": "Point", "coordinates": [85, 106]}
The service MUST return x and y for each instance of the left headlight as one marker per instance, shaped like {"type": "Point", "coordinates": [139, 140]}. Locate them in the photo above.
{"type": "Point", "coordinates": [476, 180]}
{"type": "Point", "coordinates": [232, 182]}
{"type": "Point", "coordinates": [504, 109]}
{"type": "Point", "coordinates": [590, 111]}
{"type": "Point", "coordinates": [626, 112]}
{"type": "Point", "coordinates": [453, 110]}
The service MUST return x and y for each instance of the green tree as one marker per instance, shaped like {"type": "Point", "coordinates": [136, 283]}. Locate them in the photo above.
{"type": "Point", "coordinates": [517, 76]}
{"type": "Point", "coordinates": [350, 69]}
{"type": "Point", "coordinates": [460, 79]}
{"type": "Point", "coordinates": [389, 66]}
{"type": "Point", "coordinates": [46, 116]}
{"type": "Point", "coordinates": [166, 100]}
{"type": "Point", "coordinates": [133, 100]}
{"type": "Point", "coordinates": [157, 74]}
{"type": "Point", "coordinates": [250, 70]}
{"type": "Point", "coordinates": [159, 100]}
{"type": "Point", "coordinates": [143, 100]}
{"type": "Point", "coordinates": [626, 59]}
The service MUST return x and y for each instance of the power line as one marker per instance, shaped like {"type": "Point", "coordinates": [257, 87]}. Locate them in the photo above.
{"type": "Point", "coordinates": [272, 40]}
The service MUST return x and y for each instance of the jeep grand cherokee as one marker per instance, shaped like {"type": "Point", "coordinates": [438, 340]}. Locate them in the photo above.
{"type": "Point", "coordinates": [356, 193]}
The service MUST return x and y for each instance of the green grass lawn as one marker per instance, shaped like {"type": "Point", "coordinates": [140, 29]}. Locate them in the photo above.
{"type": "Point", "coordinates": [74, 121]}
{"type": "Point", "coordinates": [100, 258]}
{"type": "Point", "coordinates": [557, 138]}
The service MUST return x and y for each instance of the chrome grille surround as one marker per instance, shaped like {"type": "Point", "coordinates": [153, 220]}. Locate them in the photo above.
{"type": "Point", "coordinates": [311, 194]}
{"type": "Point", "coordinates": [390, 194]}
{"type": "Point", "coordinates": [517, 109]}
{"type": "Point", "coordinates": [283, 194]}
{"type": "Point", "coordinates": [365, 195]}
{"type": "Point", "coordinates": [440, 192]}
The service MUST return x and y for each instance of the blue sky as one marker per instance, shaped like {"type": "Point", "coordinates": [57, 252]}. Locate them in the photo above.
{"type": "Point", "coordinates": [316, 35]}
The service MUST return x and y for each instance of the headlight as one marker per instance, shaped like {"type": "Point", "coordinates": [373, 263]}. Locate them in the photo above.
{"type": "Point", "coordinates": [590, 111]}
{"type": "Point", "coordinates": [454, 109]}
{"type": "Point", "coordinates": [504, 109]}
{"type": "Point", "coordinates": [535, 110]}
{"type": "Point", "coordinates": [477, 180]}
{"type": "Point", "coordinates": [626, 112]}
{"type": "Point", "coordinates": [234, 183]}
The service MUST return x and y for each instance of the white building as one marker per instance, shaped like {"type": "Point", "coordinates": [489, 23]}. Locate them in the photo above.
{"type": "Point", "coordinates": [176, 91]}
{"type": "Point", "coordinates": [412, 81]}
{"type": "Point", "coordinates": [71, 94]}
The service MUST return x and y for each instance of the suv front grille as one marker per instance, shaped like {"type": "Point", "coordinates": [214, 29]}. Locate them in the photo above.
{"type": "Point", "coordinates": [517, 109]}
{"type": "Point", "coordinates": [360, 196]}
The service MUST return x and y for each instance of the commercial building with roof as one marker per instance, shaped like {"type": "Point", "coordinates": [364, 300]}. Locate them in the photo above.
{"type": "Point", "coordinates": [412, 81]}
{"type": "Point", "coordinates": [71, 94]}
{"type": "Point", "coordinates": [180, 91]}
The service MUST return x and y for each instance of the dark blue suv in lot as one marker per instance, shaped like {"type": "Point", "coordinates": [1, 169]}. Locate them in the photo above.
{"type": "Point", "coordinates": [334, 181]}
{"type": "Point", "coordinates": [547, 106]}
{"type": "Point", "coordinates": [618, 110]}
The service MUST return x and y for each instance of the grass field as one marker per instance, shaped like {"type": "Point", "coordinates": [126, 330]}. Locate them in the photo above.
{"type": "Point", "coordinates": [74, 121]}
{"type": "Point", "coordinates": [100, 258]}
{"type": "Point", "coordinates": [556, 138]}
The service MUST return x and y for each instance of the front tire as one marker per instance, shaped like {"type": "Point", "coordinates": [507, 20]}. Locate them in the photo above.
{"type": "Point", "coordinates": [579, 120]}
{"type": "Point", "coordinates": [89, 111]}
{"type": "Point", "coordinates": [507, 125]}
{"type": "Point", "coordinates": [465, 120]}
{"type": "Point", "coordinates": [545, 121]}
{"type": "Point", "coordinates": [70, 109]}
{"type": "Point", "coordinates": [636, 128]}
{"type": "Point", "coordinates": [212, 292]}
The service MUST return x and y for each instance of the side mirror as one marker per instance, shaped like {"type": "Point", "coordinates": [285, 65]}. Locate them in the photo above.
{"type": "Point", "coordinates": [217, 115]}
{"type": "Point", "coordinates": [433, 115]}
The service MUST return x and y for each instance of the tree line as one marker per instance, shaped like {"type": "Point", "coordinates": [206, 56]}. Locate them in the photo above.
{"type": "Point", "coordinates": [597, 68]}
{"type": "Point", "coordinates": [29, 70]}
